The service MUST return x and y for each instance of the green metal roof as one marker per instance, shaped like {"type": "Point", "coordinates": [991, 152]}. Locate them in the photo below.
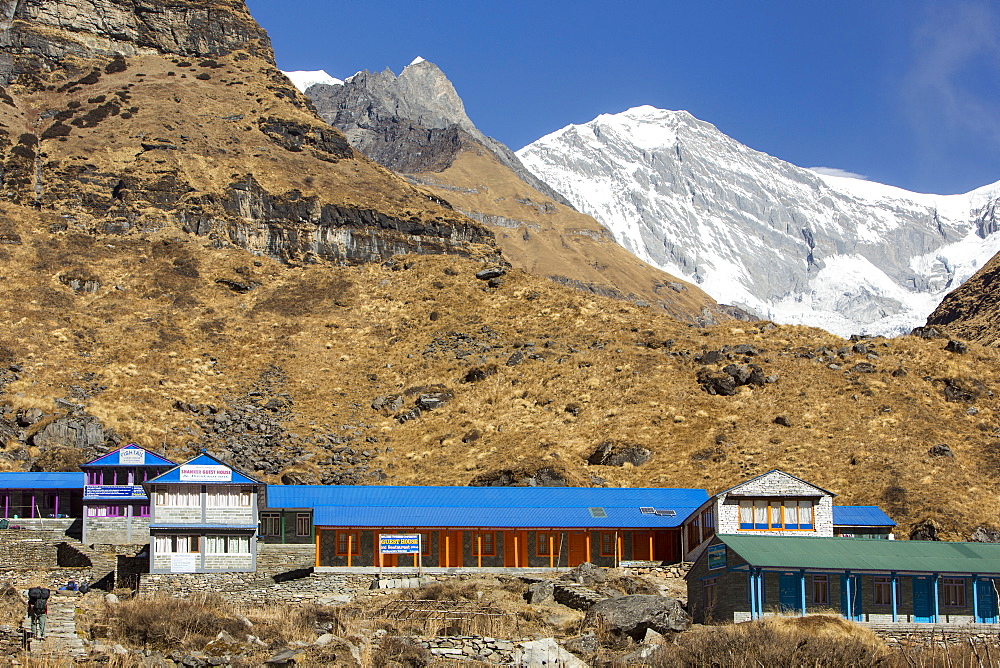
{"type": "Point", "coordinates": [859, 554]}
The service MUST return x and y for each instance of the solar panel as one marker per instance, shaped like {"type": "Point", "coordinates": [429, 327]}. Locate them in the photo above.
{"type": "Point", "coordinates": [598, 512]}
{"type": "Point", "coordinates": [665, 513]}
{"type": "Point", "coordinates": [646, 510]}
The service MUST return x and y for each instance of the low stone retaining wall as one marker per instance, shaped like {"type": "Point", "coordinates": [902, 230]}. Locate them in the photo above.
{"type": "Point", "coordinates": [924, 635]}
{"type": "Point", "coordinates": [49, 578]}
{"type": "Point", "coordinates": [671, 571]}
{"type": "Point", "coordinates": [254, 588]}
{"type": "Point", "coordinates": [463, 648]}
{"type": "Point", "coordinates": [10, 641]}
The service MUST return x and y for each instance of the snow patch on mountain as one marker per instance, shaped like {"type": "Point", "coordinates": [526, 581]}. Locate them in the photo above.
{"type": "Point", "coordinates": [303, 79]}
{"type": "Point", "coordinates": [790, 244]}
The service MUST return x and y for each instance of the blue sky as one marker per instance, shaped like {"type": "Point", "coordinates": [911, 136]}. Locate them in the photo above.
{"type": "Point", "coordinates": [903, 92]}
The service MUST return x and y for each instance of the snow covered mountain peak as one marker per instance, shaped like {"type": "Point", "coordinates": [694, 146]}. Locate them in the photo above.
{"type": "Point", "coordinates": [303, 79]}
{"type": "Point", "coordinates": [787, 243]}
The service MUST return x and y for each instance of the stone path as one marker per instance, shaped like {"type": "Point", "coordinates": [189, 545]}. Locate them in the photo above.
{"type": "Point", "coordinates": [61, 639]}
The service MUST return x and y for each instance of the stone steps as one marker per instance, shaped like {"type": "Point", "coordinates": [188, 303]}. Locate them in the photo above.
{"type": "Point", "coordinates": [61, 640]}
{"type": "Point", "coordinates": [577, 596]}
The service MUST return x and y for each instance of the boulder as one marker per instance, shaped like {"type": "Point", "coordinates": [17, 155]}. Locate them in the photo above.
{"type": "Point", "coordinates": [284, 657]}
{"type": "Point", "coordinates": [545, 652]}
{"type": "Point", "coordinates": [985, 535]}
{"type": "Point", "coordinates": [633, 615]}
{"type": "Point", "coordinates": [957, 347]}
{"type": "Point", "coordinates": [490, 273]}
{"type": "Point", "coordinates": [540, 592]}
{"type": "Point", "coordinates": [587, 574]}
{"type": "Point", "coordinates": [610, 454]}
{"type": "Point", "coordinates": [926, 530]}
{"type": "Point", "coordinates": [585, 645]}
{"type": "Point", "coordinates": [717, 382]}
{"type": "Point", "coordinates": [941, 450]}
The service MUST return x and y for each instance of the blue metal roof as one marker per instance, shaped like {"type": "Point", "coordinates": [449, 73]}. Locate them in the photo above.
{"type": "Point", "coordinates": [114, 458]}
{"type": "Point", "coordinates": [204, 459]}
{"type": "Point", "coordinates": [202, 527]}
{"type": "Point", "coordinates": [493, 518]}
{"type": "Point", "coordinates": [494, 507]}
{"type": "Point", "coordinates": [861, 516]}
{"type": "Point", "coordinates": [38, 480]}
{"type": "Point", "coordinates": [308, 496]}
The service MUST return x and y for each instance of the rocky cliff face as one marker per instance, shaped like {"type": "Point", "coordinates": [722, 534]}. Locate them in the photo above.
{"type": "Point", "coordinates": [784, 242]}
{"type": "Point", "coordinates": [415, 122]}
{"type": "Point", "coordinates": [972, 311]}
{"type": "Point", "coordinates": [39, 36]}
{"type": "Point", "coordinates": [126, 116]}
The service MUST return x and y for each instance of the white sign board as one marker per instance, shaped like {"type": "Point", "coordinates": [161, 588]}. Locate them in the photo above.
{"type": "Point", "coordinates": [183, 563]}
{"type": "Point", "coordinates": [206, 473]}
{"type": "Point", "coordinates": [132, 456]}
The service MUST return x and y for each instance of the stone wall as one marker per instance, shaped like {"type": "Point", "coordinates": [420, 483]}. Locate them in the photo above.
{"type": "Point", "coordinates": [20, 548]}
{"type": "Point", "coordinates": [478, 648]}
{"type": "Point", "coordinates": [255, 588]}
{"type": "Point", "coordinates": [10, 641]}
{"type": "Point", "coordinates": [116, 530]}
{"type": "Point", "coordinates": [930, 634]}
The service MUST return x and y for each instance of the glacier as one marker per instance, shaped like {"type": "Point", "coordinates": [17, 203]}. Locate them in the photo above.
{"type": "Point", "coordinates": [786, 243]}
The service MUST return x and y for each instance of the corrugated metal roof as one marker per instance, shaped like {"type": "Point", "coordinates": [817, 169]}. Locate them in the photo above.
{"type": "Point", "coordinates": [204, 459]}
{"type": "Point", "coordinates": [861, 516]}
{"type": "Point", "coordinates": [38, 480]}
{"type": "Point", "coordinates": [858, 554]}
{"type": "Point", "coordinates": [308, 496]}
{"type": "Point", "coordinates": [112, 458]}
{"type": "Point", "coordinates": [492, 517]}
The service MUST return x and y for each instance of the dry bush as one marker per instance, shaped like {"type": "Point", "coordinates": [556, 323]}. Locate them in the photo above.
{"type": "Point", "coordinates": [167, 623]}
{"type": "Point", "coordinates": [403, 651]}
{"type": "Point", "coordinates": [814, 640]}
{"type": "Point", "coordinates": [12, 606]}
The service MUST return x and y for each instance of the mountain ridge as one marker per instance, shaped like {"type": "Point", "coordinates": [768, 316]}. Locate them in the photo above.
{"type": "Point", "coordinates": [782, 241]}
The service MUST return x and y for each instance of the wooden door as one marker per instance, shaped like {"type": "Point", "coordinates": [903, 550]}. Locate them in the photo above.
{"type": "Point", "coordinates": [668, 546]}
{"type": "Point", "coordinates": [577, 548]}
{"type": "Point", "coordinates": [640, 545]}
{"type": "Point", "coordinates": [515, 549]}
{"type": "Point", "coordinates": [450, 547]}
{"type": "Point", "coordinates": [386, 560]}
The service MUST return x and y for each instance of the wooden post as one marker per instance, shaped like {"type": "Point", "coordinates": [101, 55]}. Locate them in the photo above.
{"type": "Point", "coordinates": [479, 541]}
{"type": "Point", "coordinates": [516, 552]}
{"type": "Point", "coordinates": [618, 549]}
{"type": "Point", "coordinates": [319, 539]}
{"type": "Point", "coordinates": [590, 556]}
{"type": "Point", "coordinates": [552, 547]}
{"type": "Point", "coordinates": [651, 558]}
{"type": "Point", "coordinates": [350, 547]}
{"type": "Point", "coordinates": [447, 549]}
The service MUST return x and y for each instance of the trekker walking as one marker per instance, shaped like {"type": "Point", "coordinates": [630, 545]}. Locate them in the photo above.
{"type": "Point", "coordinates": [38, 609]}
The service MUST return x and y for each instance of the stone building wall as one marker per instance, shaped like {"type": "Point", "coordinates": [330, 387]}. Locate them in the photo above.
{"type": "Point", "coordinates": [116, 530]}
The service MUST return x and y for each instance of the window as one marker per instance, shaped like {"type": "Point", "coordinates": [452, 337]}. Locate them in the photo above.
{"type": "Point", "coordinates": [425, 543]}
{"type": "Point", "coordinates": [882, 590]}
{"type": "Point", "coordinates": [106, 511]}
{"type": "Point", "coordinates": [227, 545]}
{"type": "Point", "coordinates": [487, 540]}
{"type": "Point", "coordinates": [270, 524]}
{"type": "Point", "coordinates": [223, 496]}
{"type": "Point", "coordinates": [303, 524]}
{"type": "Point", "coordinates": [779, 514]}
{"type": "Point", "coordinates": [348, 539]}
{"type": "Point", "coordinates": [821, 589]}
{"type": "Point", "coordinates": [707, 524]}
{"type": "Point", "coordinates": [141, 511]}
{"type": "Point", "coordinates": [178, 497]}
{"type": "Point", "coordinates": [608, 544]}
{"type": "Point", "coordinates": [953, 593]}
{"type": "Point", "coordinates": [542, 541]}
{"type": "Point", "coordinates": [694, 533]}
{"type": "Point", "coordinates": [176, 544]}
{"type": "Point", "coordinates": [711, 592]}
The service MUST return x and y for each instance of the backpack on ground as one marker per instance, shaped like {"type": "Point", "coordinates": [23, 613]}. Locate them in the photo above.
{"type": "Point", "coordinates": [38, 600]}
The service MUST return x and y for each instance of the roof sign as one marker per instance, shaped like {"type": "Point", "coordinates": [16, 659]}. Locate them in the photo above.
{"type": "Point", "coordinates": [132, 455]}
{"type": "Point", "coordinates": [598, 512]}
{"type": "Point", "coordinates": [205, 473]}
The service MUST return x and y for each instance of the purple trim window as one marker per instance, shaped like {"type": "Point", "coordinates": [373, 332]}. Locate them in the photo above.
{"type": "Point", "coordinates": [142, 511]}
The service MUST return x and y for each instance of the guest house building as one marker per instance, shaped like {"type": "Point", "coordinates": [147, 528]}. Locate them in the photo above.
{"type": "Point", "coordinates": [203, 518]}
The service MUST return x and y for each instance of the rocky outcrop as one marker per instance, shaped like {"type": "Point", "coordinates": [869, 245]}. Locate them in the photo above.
{"type": "Point", "coordinates": [971, 311]}
{"type": "Point", "coordinates": [38, 36]}
{"type": "Point", "coordinates": [415, 122]}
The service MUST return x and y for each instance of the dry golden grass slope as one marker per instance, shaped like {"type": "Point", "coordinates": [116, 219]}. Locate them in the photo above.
{"type": "Point", "coordinates": [549, 239]}
{"type": "Point", "coordinates": [161, 329]}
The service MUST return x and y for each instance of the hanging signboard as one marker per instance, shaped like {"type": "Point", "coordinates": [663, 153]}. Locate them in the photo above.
{"type": "Point", "coordinates": [132, 456]}
{"type": "Point", "coordinates": [115, 491]}
{"type": "Point", "coordinates": [206, 473]}
{"type": "Point", "coordinates": [716, 556]}
{"type": "Point", "coordinates": [394, 543]}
